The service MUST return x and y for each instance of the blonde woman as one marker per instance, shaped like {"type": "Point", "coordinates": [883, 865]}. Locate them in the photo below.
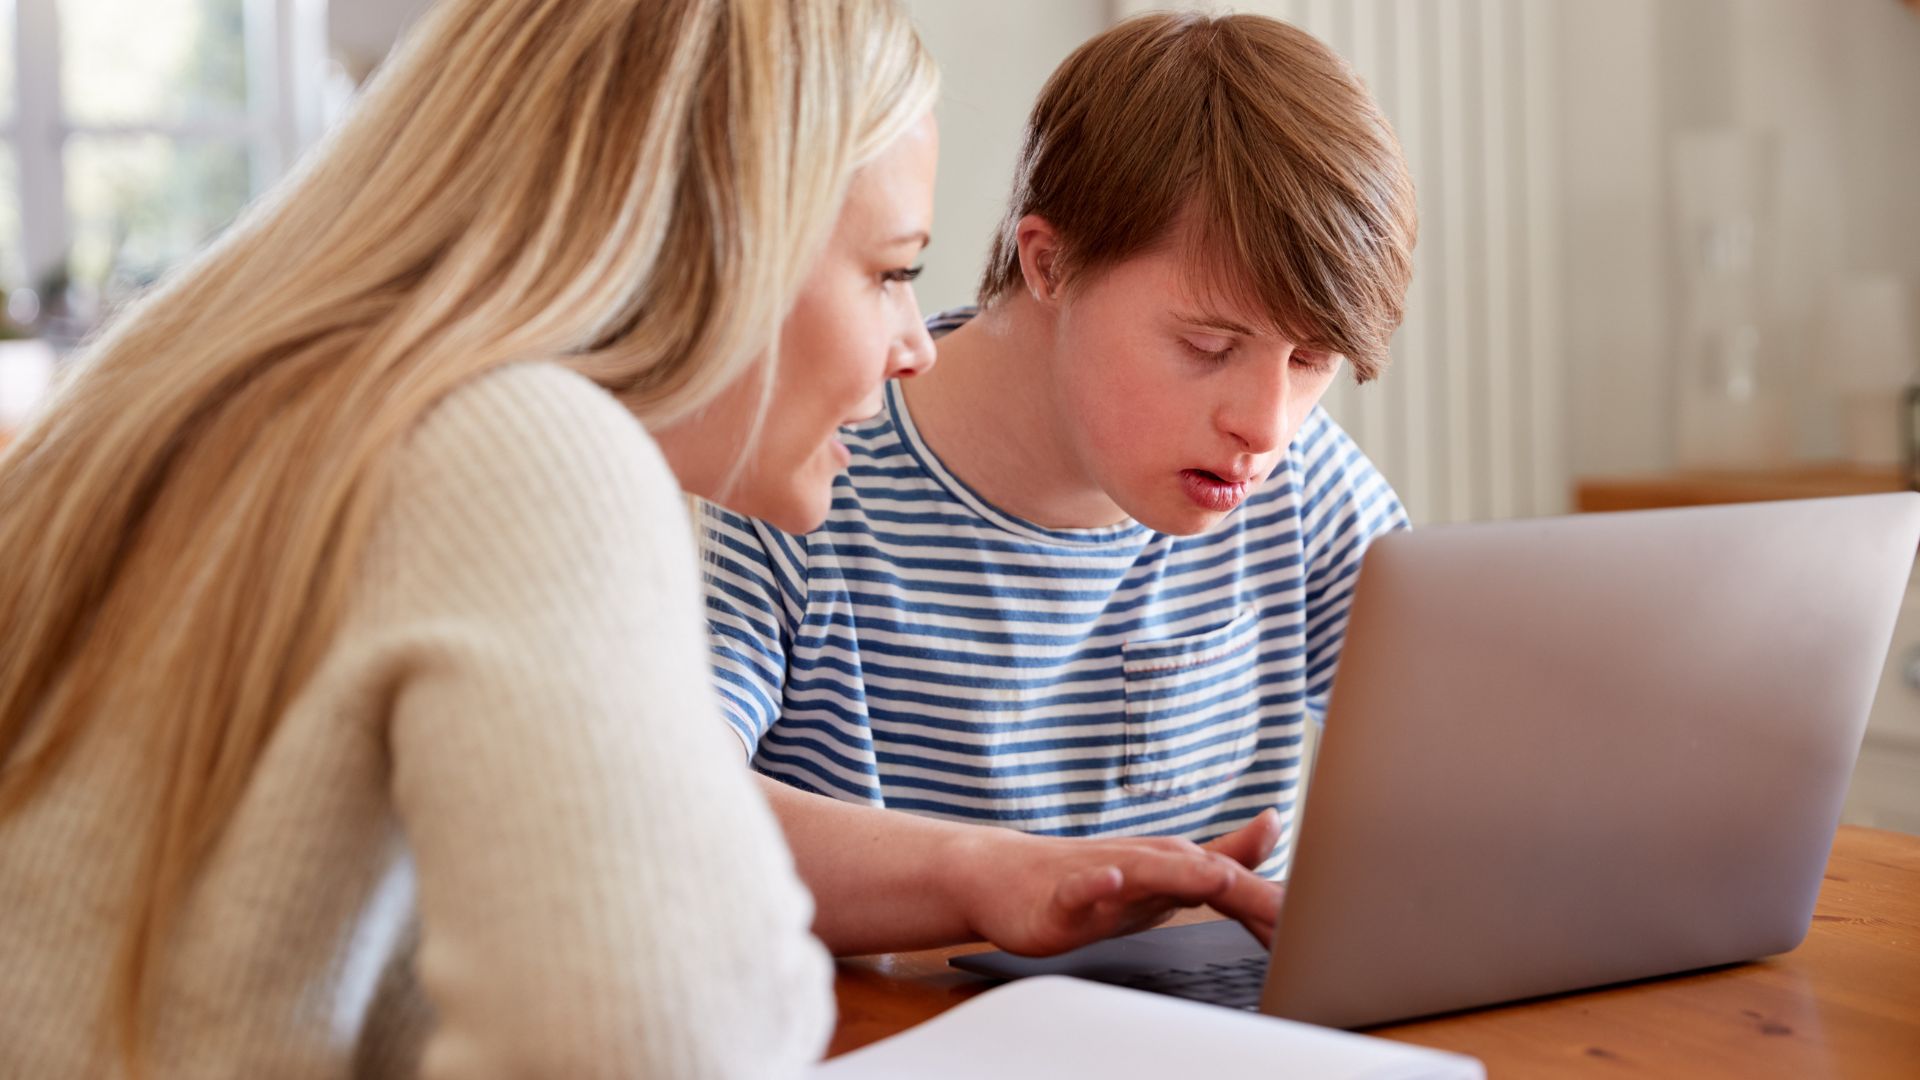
{"type": "Point", "coordinates": [354, 707]}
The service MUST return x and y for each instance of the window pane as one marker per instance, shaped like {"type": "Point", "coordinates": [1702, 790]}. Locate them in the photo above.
{"type": "Point", "coordinates": [140, 203]}
{"type": "Point", "coordinates": [134, 61]}
{"type": "Point", "coordinates": [7, 21]}
{"type": "Point", "coordinates": [12, 259]}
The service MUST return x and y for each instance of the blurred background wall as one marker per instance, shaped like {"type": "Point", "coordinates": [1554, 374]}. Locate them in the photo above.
{"type": "Point", "coordinates": [1564, 152]}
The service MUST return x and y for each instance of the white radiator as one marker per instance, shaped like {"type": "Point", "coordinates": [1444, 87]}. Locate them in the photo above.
{"type": "Point", "coordinates": [1467, 422]}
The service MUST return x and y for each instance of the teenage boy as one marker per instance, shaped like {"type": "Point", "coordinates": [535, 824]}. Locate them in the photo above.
{"type": "Point", "coordinates": [1046, 671]}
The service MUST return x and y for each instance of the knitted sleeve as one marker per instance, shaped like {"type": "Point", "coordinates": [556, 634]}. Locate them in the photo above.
{"type": "Point", "coordinates": [602, 890]}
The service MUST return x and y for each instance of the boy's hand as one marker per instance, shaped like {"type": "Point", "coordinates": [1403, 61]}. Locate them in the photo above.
{"type": "Point", "coordinates": [1042, 895]}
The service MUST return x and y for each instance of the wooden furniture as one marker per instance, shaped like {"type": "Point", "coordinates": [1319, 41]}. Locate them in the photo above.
{"type": "Point", "coordinates": [1700, 488]}
{"type": "Point", "coordinates": [1845, 1003]}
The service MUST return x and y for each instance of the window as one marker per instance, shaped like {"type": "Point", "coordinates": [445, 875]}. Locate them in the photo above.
{"type": "Point", "coordinates": [131, 131]}
{"type": "Point", "coordinates": [12, 259]}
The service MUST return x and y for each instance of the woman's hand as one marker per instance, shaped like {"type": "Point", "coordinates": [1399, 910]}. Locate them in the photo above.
{"type": "Point", "coordinates": [1037, 896]}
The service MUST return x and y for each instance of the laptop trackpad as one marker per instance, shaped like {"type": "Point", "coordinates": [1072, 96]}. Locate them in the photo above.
{"type": "Point", "coordinates": [1123, 959]}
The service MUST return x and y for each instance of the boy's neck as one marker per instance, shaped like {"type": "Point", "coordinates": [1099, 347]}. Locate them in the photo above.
{"type": "Point", "coordinates": [988, 411]}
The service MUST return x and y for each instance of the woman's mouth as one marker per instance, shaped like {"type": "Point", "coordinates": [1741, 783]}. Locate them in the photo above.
{"type": "Point", "coordinates": [1211, 491]}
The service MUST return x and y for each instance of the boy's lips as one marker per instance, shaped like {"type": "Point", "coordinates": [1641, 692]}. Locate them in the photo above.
{"type": "Point", "coordinates": [1230, 475]}
{"type": "Point", "coordinates": [1214, 491]}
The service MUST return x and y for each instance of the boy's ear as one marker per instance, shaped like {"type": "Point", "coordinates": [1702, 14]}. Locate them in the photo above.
{"type": "Point", "coordinates": [1040, 256]}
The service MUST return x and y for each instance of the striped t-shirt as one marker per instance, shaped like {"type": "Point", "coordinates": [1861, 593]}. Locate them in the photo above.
{"type": "Point", "coordinates": [924, 651]}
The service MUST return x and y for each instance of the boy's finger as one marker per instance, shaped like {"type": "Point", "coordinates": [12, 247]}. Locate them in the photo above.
{"type": "Point", "coordinates": [1086, 887]}
{"type": "Point", "coordinates": [1262, 932]}
{"type": "Point", "coordinates": [1250, 844]}
{"type": "Point", "coordinates": [1186, 877]}
{"type": "Point", "coordinates": [1251, 899]}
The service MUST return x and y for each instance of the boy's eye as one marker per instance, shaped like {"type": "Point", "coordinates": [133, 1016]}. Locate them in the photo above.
{"type": "Point", "coordinates": [902, 274]}
{"type": "Point", "coordinates": [1208, 346]}
{"type": "Point", "coordinates": [1319, 363]}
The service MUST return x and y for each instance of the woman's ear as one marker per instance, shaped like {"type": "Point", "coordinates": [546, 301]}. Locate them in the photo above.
{"type": "Point", "coordinates": [1040, 257]}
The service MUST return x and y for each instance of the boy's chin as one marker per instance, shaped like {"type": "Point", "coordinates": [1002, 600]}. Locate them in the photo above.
{"type": "Point", "coordinates": [1175, 518]}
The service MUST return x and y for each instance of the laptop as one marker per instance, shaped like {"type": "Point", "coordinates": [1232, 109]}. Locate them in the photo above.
{"type": "Point", "coordinates": [1560, 754]}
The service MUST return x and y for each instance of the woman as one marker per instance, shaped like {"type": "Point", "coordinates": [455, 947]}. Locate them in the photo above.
{"type": "Point", "coordinates": [354, 715]}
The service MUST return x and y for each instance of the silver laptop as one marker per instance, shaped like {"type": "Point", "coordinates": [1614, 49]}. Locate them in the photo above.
{"type": "Point", "coordinates": [1560, 754]}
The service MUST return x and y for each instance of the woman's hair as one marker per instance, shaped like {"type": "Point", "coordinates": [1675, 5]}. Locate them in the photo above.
{"type": "Point", "coordinates": [1253, 135]}
{"type": "Point", "coordinates": [633, 188]}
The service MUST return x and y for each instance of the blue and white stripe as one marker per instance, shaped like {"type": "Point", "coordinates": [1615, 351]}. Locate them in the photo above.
{"type": "Point", "coordinates": [925, 652]}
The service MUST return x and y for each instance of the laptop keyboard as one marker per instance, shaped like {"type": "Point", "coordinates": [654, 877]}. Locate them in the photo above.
{"type": "Point", "coordinates": [1235, 984]}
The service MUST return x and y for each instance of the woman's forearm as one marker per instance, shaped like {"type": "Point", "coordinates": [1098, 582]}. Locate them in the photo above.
{"type": "Point", "coordinates": [882, 880]}
{"type": "Point", "coordinates": [888, 881]}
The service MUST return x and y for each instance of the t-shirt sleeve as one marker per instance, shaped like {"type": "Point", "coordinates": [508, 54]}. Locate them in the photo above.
{"type": "Point", "coordinates": [1345, 504]}
{"type": "Point", "coordinates": [755, 582]}
{"type": "Point", "coordinates": [602, 889]}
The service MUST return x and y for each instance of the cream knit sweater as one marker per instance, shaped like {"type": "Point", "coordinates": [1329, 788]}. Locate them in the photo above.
{"type": "Point", "coordinates": [503, 831]}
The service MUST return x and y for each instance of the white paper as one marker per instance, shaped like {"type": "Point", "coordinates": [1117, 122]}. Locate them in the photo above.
{"type": "Point", "coordinates": [1052, 1026]}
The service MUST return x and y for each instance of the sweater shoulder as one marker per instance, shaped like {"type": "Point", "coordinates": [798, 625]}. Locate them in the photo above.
{"type": "Point", "coordinates": [532, 424]}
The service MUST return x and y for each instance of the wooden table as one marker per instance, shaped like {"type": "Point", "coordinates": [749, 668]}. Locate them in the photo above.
{"type": "Point", "coordinates": [1703, 487]}
{"type": "Point", "coordinates": [1846, 1003]}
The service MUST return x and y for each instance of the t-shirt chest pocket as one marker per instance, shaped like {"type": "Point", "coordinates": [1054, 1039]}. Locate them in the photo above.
{"type": "Point", "coordinates": [1193, 708]}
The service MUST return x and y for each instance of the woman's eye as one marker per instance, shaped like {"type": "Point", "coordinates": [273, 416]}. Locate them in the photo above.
{"type": "Point", "coordinates": [902, 274]}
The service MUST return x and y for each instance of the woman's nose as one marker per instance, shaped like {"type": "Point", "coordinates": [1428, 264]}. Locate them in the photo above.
{"type": "Point", "coordinates": [913, 352]}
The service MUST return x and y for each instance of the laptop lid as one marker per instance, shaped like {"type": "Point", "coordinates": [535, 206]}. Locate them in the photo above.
{"type": "Point", "coordinates": [1569, 752]}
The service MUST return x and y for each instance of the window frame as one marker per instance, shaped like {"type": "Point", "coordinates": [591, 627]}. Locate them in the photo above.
{"type": "Point", "coordinates": [286, 43]}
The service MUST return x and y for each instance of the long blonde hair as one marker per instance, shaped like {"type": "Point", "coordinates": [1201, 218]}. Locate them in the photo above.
{"type": "Point", "coordinates": [634, 188]}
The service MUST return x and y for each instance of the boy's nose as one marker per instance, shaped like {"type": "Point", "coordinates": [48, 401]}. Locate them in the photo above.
{"type": "Point", "coordinates": [1256, 415]}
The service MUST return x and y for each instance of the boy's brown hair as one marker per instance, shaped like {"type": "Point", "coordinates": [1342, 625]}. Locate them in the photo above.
{"type": "Point", "coordinates": [1253, 133]}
